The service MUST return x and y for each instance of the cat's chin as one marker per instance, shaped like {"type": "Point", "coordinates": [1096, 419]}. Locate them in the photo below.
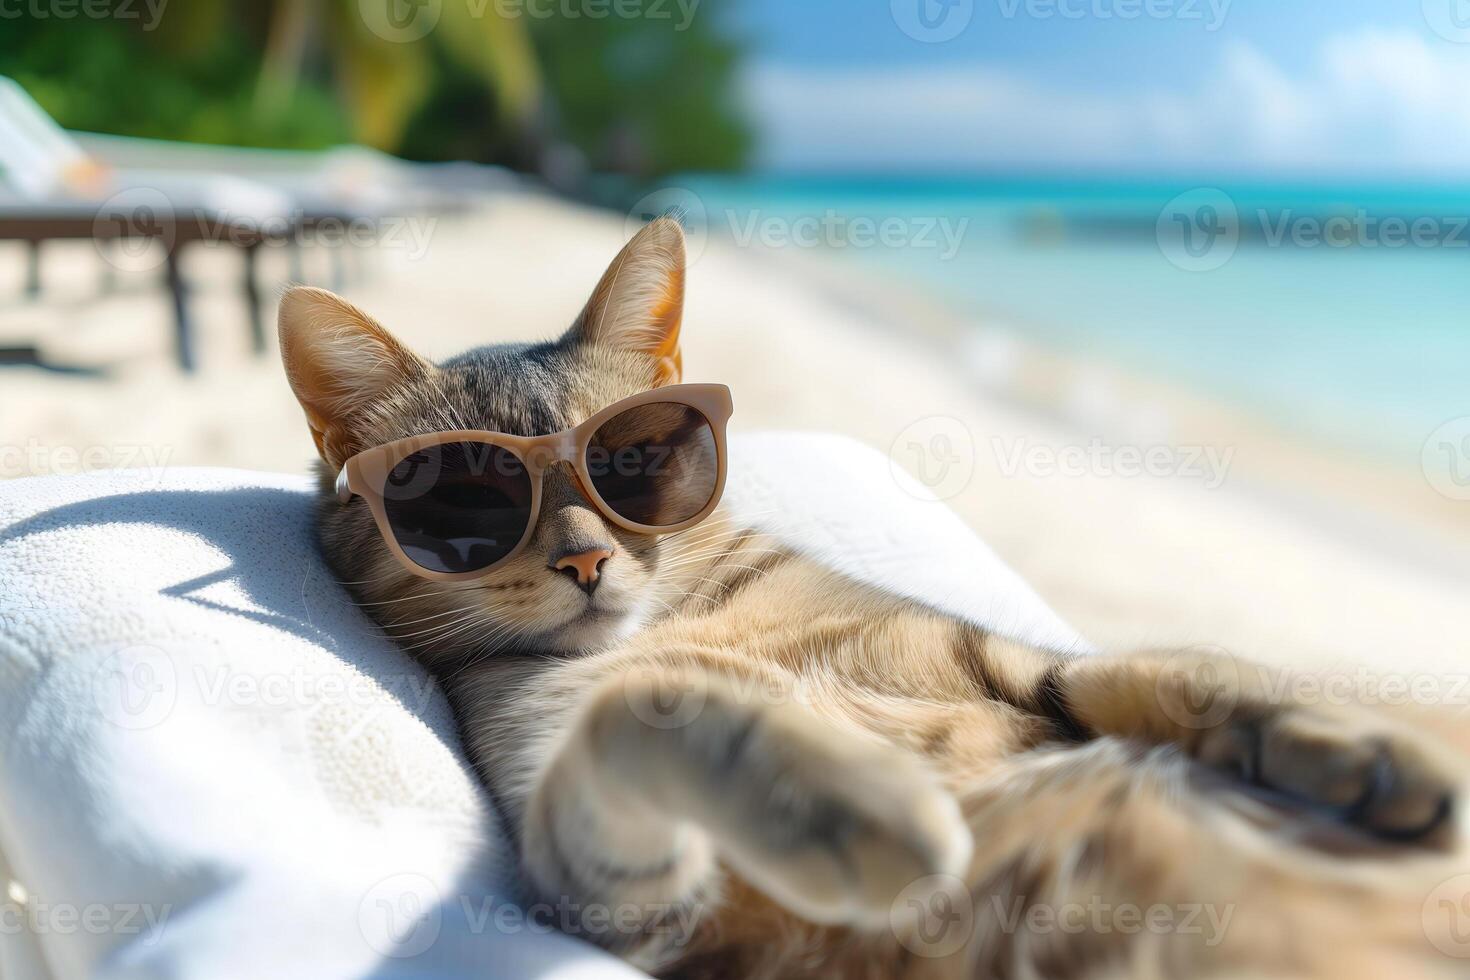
{"type": "Point", "coordinates": [594, 629]}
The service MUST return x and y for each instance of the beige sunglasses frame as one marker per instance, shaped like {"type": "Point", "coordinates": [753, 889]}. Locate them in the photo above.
{"type": "Point", "coordinates": [366, 473]}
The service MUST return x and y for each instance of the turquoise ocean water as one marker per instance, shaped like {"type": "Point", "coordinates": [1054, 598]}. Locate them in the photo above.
{"type": "Point", "coordinates": [1355, 334]}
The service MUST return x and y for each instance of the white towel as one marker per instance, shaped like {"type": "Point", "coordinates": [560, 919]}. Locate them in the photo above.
{"type": "Point", "coordinates": [212, 765]}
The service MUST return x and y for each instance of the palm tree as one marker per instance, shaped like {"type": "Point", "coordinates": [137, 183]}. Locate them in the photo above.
{"type": "Point", "coordinates": [384, 71]}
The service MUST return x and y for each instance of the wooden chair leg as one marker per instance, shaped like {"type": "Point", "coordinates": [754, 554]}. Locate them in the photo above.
{"type": "Point", "coordinates": [107, 281]}
{"type": "Point", "coordinates": [183, 327]}
{"type": "Point", "coordinates": [33, 269]}
{"type": "Point", "coordinates": [255, 308]}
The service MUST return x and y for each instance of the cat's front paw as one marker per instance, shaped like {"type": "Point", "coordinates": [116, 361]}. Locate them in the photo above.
{"type": "Point", "coordinates": [833, 826]}
{"type": "Point", "coordinates": [1384, 782]}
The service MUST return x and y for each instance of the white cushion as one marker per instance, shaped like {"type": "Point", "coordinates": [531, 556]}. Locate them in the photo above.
{"type": "Point", "coordinates": [211, 764]}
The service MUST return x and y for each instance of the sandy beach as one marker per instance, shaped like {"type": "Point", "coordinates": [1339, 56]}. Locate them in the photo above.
{"type": "Point", "coordinates": [1146, 516]}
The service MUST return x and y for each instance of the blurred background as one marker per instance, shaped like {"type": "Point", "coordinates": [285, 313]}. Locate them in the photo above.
{"type": "Point", "coordinates": [1166, 297]}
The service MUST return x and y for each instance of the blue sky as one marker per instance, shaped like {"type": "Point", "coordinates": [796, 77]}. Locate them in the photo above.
{"type": "Point", "coordinates": [1349, 87]}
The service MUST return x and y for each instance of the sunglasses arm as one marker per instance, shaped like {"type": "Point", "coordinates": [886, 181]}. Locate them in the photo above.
{"type": "Point", "coordinates": [344, 492]}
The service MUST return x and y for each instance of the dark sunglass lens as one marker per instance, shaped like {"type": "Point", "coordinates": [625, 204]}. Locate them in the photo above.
{"type": "Point", "coordinates": [656, 464]}
{"type": "Point", "coordinates": [458, 507]}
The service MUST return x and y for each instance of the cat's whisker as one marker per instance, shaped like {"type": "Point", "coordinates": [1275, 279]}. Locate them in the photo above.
{"type": "Point", "coordinates": [473, 659]}
{"type": "Point", "coordinates": [656, 599]}
{"type": "Point", "coordinates": [695, 595]}
{"type": "Point", "coordinates": [458, 610]}
{"type": "Point", "coordinates": [444, 634]}
{"type": "Point", "coordinates": [388, 574]}
{"type": "Point", "coordinates": [487, 647]}
{"type": "Point", "coordinates": [421, 595]}
{"type": "Point", "coordinates": [473, 654]}
{"type": "Point", "coordinates": [684, 561]}
{"type": "Point", "coordinates": [759, 573]}
{"type": "Point", "coordinates": [749, 568]}
{"type": "Point", "coordinates": [707, 526]}
{"type": "Point", "coordinates": [725, 539]}
{"type": "Point", "coordinates": [710, 563]}
{"type": "Point", "coordinates": [433, 633]}
{"type": "Point", "coordinates": [366, 581]}
{"type": "Point", "coordinates": [723, 544]}
{"type": "Point", "coordinates": [464, 615]}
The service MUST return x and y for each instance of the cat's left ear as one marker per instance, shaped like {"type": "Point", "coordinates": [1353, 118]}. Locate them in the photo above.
{"type": "Point", "coordinates": [639, 303]}
{"type": "Point", "coordinates": [341, 364]}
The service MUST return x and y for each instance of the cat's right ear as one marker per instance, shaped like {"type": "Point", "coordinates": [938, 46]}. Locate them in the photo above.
{"type": "Point", "coordinates": [339, 362]}
{"type": "Point", "coordinates": [639, 304]}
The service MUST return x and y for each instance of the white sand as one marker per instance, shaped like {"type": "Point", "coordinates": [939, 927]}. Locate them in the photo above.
{"type": "Point", "coordinates": [1295, 556]}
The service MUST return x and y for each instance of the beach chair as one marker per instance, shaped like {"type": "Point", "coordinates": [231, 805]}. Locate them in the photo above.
{"type": "Point", "coordinates": [345, 823]}
{"type": "Point", "coordinates": [52, 187]}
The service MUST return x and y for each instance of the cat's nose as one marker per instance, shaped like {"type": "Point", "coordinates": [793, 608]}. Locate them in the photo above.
{"type": "Point", "coordinates": [583, 566]}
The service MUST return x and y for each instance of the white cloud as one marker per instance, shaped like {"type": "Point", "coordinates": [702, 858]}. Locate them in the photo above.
{"type": "Point", "coordinates": [1369, 102]}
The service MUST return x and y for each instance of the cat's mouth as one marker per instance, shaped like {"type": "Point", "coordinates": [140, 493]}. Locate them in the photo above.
{"type": "Point", "coordinates": [595, 614]}
{"type": "Point", "coordinates": [594, 626]}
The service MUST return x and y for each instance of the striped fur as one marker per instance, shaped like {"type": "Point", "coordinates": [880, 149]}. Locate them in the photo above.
{"type": "Point", "coordinates": [733, 762]}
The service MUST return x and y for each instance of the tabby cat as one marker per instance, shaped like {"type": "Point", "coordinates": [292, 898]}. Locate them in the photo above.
{"type": "Point", "coordinates": [864, 786]}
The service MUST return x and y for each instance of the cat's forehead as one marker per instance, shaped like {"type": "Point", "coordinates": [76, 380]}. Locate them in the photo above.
{"type": "Point", "coordinates": [534, 389]}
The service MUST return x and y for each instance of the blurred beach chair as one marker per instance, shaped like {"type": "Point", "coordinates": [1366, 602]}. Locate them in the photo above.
{"type": "Point", "coordinates": [133, 193]}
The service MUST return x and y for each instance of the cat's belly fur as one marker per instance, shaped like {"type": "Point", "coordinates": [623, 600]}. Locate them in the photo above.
{"type": "Point", "coordinates": [1056, 823]}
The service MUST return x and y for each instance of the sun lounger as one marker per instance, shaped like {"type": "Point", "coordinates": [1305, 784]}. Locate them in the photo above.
{"type": "Point", "coordinates": [54, 186]}
{"type": "Point", "coordinates": [200, 730]}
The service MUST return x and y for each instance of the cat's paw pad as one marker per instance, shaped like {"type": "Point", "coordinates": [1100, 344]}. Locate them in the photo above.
{"type": "Point", "coordinates": [1384, 783]}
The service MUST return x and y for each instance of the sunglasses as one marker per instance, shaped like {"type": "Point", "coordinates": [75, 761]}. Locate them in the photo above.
{"type": "Point", "coordinates": [453, 505]}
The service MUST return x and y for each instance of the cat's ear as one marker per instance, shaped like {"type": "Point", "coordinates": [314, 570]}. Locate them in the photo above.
{"type": "Point", "coordinates": [639, 303]}
{"type": "Point", "coordinates": [340, 361]}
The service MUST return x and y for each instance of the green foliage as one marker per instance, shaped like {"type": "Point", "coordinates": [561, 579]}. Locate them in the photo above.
{"type": "Point", "coordinates": [640, 95]}
{"type": "Point", "coordinates": [635, 95]}
{"type": "Point", "coordinates": [112, 76]}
